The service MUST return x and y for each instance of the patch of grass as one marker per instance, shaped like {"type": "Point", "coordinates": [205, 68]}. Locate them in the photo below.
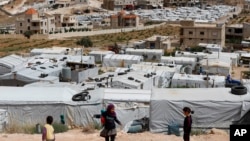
{"type": "Point", "coordinates": [60, 128]}
{"type": "Point", "coordinates": [14, 128]}
{"type": "Point", "coordinates": [91, 127]}
{"type": "Point", "coordinates": [197, 132]}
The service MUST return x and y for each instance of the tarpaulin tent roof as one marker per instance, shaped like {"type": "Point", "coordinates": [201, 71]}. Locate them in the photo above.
{"type": "Point", "coordinates": [9, 63]}
{"type": "Point", "coordinates": [215, 107]}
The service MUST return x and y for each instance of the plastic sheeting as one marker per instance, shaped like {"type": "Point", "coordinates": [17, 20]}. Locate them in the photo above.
{"type": "Point", "coordinates": [31, 105]}
{"type": "Point", "coordinates": [117, 60]}
{"type": "Point", "coordinates": [197, 81]}
{"type": "Point", "coordinates": [216, 67]}
{"type": "Point", "coordinates": [179, 60]}
{"type": "Point", "coordinates": [216, 107]}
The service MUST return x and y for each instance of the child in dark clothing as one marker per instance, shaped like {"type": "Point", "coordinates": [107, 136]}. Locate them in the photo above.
{"type": "Point", "coordinates": [109, 119]}
{"type": "Point", "coordinates": [187, 123]}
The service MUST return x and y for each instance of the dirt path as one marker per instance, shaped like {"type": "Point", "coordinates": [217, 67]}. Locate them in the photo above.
{"type": "Point", "coordinates": [77, 135]}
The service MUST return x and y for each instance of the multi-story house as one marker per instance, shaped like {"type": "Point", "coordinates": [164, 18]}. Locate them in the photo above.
{"type": "Point", "coordinates": [149, 4]}
{"type": "Point", "coordinates": [62, 20]}
{"type": "Point", "coordinates": [192, 34]}
{"type": "Point", "coordinates": [44, 23]}
{"type": "Point", "coordinates": [118, 5]}
{"type": "Point", "coordinates": [35, 22]}
{"type": "Point", "coordinates": [182, 2]}
{"type": "Point", "coordinates": [122, 19]}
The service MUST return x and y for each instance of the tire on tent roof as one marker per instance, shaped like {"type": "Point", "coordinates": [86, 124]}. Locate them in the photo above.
{"type": "Point", "coordinates": [83, 96]}
{"type": "Point", "coordinates": [239, 90]}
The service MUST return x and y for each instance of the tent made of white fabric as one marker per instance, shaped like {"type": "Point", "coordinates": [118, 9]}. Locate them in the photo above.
{"type": "Point", "coordinates": [10, 63]}
{"type": "Point", "coordinates": [31, 105]}
{"type": "Point", "coordinates": [198, 55]}
{"type": "Point", "coordinates": [149, 54]}
{"type": "Point", "coordinates": [135, 80]}
{"type": "Point", "coordinates": [118, 60]}
{"type": "Point", "coordinates": [55, 51]}
{"type": "Point", "coordinates": [215, 66]}
{"type": "Point", "coordinates": [216, 107]}
{"type": "Point", "coordinates": [99, 55]}
{"type": "Point", "coordinates": [196, 81]}
{"type": "Point", "coordinates": [179, 60]}
{"type": "Point", "coordinates": [130, 104]}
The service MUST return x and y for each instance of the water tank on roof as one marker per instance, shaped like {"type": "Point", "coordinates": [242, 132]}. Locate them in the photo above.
{"type": "Point", "coordinates": [3, 119]}
{"type": "Point", "coordinates": [66, 74]}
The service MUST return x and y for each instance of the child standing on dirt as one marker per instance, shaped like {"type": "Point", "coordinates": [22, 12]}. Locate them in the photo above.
{"type": "Point", "coordinates": [187, 123]}
{"type": "Point", "coordinates": [48, 130]}
{"type": "Point", "coordinates": [109, 119]}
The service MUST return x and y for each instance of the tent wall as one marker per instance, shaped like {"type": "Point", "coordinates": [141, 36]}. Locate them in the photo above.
{"type": "Point", "coordinates": [33, 114]}
{"type": "Point", "coordinates": [207, 114]}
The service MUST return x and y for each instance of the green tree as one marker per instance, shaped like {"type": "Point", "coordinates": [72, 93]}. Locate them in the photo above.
{"type": "Point", "coordinates": [85, 41]}
{"type": "Point", "coordinates": [28, 34]}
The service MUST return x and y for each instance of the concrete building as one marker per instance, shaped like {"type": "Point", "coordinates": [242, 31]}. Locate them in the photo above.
{"type": "Point", "coordinates": [65, 20]}
{"type": "Point", "coordinates": [158, 42]}
{"type": "Point", "coordinates": [182, 2]}
{"type": "Point", "coordinates": [192, 34]}
{"type": "Point", "coordinates": [238, 31]}
{"type": "Point", "coordinates": [247, 6]}
{"type": "Point", "coordinates": [124, 20]}
{"type": "Point", "coordinates": [118, 5]}
{"type": "Point", "coordinates": [234, 31]}
{"type": "Point", "coordinates": [35, 22]}
{"type": "Point", "coordinates": [149, 4]}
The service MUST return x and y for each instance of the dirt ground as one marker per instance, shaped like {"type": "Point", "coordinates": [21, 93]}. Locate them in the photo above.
{"type": "Point", "coordinates": [78, 135]}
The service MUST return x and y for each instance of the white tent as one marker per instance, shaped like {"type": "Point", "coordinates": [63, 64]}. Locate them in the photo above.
{"type": "Point", "coordinates": [216, 67]}
{"type": "Point", "coordinates": [149, 54]}
{"type": "Point", "coordinates": [11, 63]}
{"type": "Point", "coordinates": [31, 105]}
{"type": "Point", "coordinates": [179, 60]}
{"type": "Point", "coordinates": [197, 81]}
{"type": "Point", "coordinates": [135, 80]}
{"type": "Point", "coordinates": [99, 55]}
{"type": "Point", "coordinates": [215, 107]}
{"type": "Point", "coordinates": [130, 104]}
{"type": "Point", "coordinates": [118, 60]}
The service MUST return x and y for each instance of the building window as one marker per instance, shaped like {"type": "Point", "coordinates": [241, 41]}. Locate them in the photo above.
{"type": "Point", "coordinates": [190, 32]}
{"type": "Point", "coordinates": [230, 30]}
{"type": "Point", "coordinates": [238, 30]}
{"type": "Point", "coordinates": [21, 24]}
{"type": "Point", "coordinates": [28, 27]}
{"type": "Point", "coordinates": [202, 33]}
{"type": "Point", "coordinates": [202, 39]}
{"type": "Point", "coordinates": [28, 20]}
{"type": "Point", "coordinates": [190, 38]}
{"type": "Point", "coordinates": [21, 31]}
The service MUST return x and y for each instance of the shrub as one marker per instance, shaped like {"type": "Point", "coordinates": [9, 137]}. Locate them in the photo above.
{"type": "Point", "coordinates": [59, 128]}
{"type": "Point", "coordinates": [85, 41]}
{"type": "Point", "coordinates": [28, 34]}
